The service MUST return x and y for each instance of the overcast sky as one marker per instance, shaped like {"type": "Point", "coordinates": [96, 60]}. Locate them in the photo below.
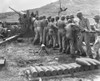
{"type": "Point", "coordinates": [22, 4]}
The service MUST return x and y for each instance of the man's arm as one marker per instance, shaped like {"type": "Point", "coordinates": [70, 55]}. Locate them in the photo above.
{"type": "Point", "coordinates": [96, 29]}
{"type": "Point", "coordinates": [88, 24]}
{"type": "Point", "coordinates": [35, 24]}
{"type": "Point", "coordinates": [55, 25]}
{"type": "Point", "coordinates": [80, 27]}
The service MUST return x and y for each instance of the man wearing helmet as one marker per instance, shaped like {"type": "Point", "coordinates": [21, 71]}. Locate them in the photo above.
{"type": "Point", "coordinates": [84, 26]}
{"type": "Point", "coordinates": [72, 18]}
{"type": "Point", "coordinates": [51, 35]}
{"type": "Point", "coordinates": [97, 25]}
{"type": "Point", "coordinates": [96, 45]}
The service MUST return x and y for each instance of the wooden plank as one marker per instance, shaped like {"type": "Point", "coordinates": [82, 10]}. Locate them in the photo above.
{"type": "Point", "coordinates": [78, 74]}
{"type": "Point", "coordinates": [8, 39]}
{"type": "Point", "coordinates": [84, 73]}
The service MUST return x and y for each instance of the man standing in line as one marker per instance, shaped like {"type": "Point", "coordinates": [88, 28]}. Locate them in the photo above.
{"type": "Point", "coordinates": [51, 35]}
{"type": "Point", "coordinates": [97, 25]}
{"type": "Point", "coordinates": [61, 34]}
{"type": "Point", "coordinates": [96, 45]}
{"type": "Point", "coordinates": [56, 32]}
{"type": "Point", "coordinates": [71, 38]}
{"type": "Point", "coordinates": [37, 29]}
{"type": "Point", "coordinates": [84, 26]}
{"type": "Point", "coordinates": [44, 25]}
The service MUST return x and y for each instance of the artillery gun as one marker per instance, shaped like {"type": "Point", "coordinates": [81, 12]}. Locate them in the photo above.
{"type": "Point", "coordinates": [23, 13]}
{"type": "Point", "coordinates": [19, 13]}
{"type": "Point", "coordinates": [25, 21]}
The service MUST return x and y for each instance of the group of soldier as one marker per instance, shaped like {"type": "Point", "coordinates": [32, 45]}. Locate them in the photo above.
{"type": "Point", "coordinates": [65, 33]}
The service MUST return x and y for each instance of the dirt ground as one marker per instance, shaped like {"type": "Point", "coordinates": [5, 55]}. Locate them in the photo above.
{"type": "Point", "coordinates": [23, 55]}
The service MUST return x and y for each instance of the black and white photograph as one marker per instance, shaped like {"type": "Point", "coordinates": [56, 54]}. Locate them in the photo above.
{"type": "Point", "coordinates": [49, 40]}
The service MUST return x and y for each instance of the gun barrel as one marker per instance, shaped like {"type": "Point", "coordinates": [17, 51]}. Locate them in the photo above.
{"type": "Point", "coordinates": [15, 11]}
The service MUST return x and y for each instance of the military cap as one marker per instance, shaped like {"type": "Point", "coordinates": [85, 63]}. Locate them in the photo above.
{"type": "Point", "coordinates": [49, 17]}
{"type": "Point", "coordinates": [69, 21]}
{"type": "Point", "coordinates": [63, 18]}
{"type": "Point", "coordinates": [71, 16]}
{"type": "Point", "coordinates": [32, 14]}
{"type": "Point", "coordinates": [67, 17]}
{"type": "Point", "coordinates": [37, 18]}
{"type": "Point", "coordinates": [44, 17]}
{"type": "Point", "coordinates": [57, 17]}
{"type": "Point", "coordinates": [52, 19]}
{"type": "Point", "coordinates": [97, 17]}
{"type": "Point", "coordinates": [24, 15]}
{"type": "Point", "coordinates": [41, 17]}
{"type": "Point", "coordinates": [79, 14]}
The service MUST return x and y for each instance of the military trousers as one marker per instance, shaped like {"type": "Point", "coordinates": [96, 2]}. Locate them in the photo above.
{"type": "Point", "coordinates": [86, 38]}
{"type": "Point", "coordinates": [61, 39]}
{"type": "Point", "coordinates": [45, 31]}
{"type": "Point", "coordinates": [51, 37]}
{"type": "Point", "coordinates": [38, 34]}
{"type": "Point", "coordinates": [56, 36]}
